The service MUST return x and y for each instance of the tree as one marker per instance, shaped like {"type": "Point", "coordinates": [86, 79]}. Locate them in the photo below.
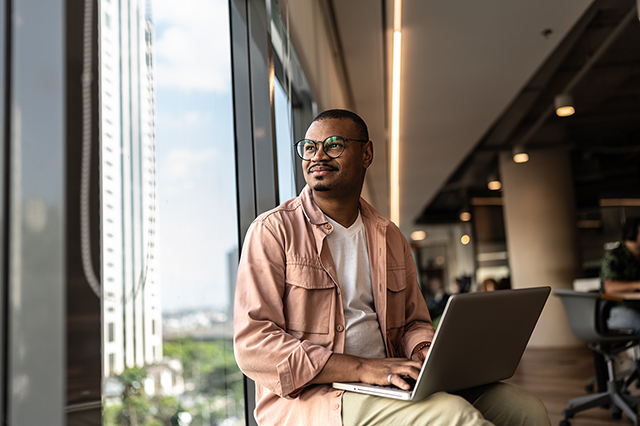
{"type": "Point", "coordinates": [135, 405]}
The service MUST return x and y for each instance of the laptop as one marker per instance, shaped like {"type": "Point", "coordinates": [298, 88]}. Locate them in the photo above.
{"type": "Point", "coordinates": [480, 340]}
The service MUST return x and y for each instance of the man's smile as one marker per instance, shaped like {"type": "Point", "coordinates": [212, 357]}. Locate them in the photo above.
{"type": "Point", "coordinates": [321, 169]}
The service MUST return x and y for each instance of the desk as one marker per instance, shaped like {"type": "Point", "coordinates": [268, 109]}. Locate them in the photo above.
{"type": "Point", "coordinates": [619, 297]}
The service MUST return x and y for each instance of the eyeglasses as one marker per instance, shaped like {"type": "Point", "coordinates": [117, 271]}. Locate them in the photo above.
{"type": "Point", "coordinates": [333, 146]}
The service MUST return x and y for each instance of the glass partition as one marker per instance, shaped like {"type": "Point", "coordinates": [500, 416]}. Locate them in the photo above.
{"type": "Point", "coordinates": [284, 141]}
{"type": "Point", "coordinates": [294, 104]}
{"type": "Point", "coordinates": [170, 239]}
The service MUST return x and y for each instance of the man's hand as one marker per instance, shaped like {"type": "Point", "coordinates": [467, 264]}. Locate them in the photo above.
{"type": "Point", "coordinates": [378, 371]}
{"type": "Point", "coordinates": [617, 286]}
{"type": "Point", "coordinates": [390, 371]}
{"type": "Point", "coordinates": [420, 355]}
{"type": "Point", "coordinates": [420, 351]}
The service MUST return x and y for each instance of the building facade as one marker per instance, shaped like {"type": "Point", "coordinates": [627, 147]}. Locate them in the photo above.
{"type": "Point", "coordinates": [132, 325]}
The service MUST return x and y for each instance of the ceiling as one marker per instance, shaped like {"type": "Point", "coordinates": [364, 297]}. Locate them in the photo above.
{"type": "Point", "coordinates": [478, 77]}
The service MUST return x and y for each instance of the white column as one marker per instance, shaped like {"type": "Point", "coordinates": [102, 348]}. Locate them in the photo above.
{"type": "Point", "coordinates": [540, 223]}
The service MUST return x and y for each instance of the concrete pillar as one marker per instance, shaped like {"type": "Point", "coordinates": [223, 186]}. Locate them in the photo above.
{"type": "Point", "coordinates": [540, 225]}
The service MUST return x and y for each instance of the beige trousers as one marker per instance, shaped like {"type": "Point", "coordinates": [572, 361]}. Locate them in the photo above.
{"type": "Point", "coordinates": [498, 404]}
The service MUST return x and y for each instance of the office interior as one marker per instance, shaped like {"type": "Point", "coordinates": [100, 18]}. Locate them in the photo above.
{"type": "Point", "coordinates": [141, 138]}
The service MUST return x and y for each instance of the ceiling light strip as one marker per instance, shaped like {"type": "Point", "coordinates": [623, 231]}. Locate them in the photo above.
{"type": "Point", "coordinates": [394, 187]}
{"type": "Point", "coordinates": [397, 15]}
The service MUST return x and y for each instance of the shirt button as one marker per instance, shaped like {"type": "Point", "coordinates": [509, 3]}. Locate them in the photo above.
{"type": "Point", "coordinates": [338, 393]}
{"type": "Point", "coordinates": [340, 328]}
{"type": "Point", "coordinates": [337, 406]}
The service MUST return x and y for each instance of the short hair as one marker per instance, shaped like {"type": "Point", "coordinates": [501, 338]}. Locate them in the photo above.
{"type": "Point", "coordinates": [343, 114]}
{"type": "Point", "coordinates": [630, 229]}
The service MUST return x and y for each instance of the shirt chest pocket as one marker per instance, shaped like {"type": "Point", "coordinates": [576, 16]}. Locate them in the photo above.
{"type": "Point", "coordinates": [308, 299]}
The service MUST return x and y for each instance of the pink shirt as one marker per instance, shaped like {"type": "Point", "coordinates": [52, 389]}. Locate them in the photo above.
{"type": "Point", "coordinates": [288, 310]}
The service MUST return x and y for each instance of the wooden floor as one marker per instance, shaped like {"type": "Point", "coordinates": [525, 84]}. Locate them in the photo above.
{"type": "Point", "coordinates": [557, 375]}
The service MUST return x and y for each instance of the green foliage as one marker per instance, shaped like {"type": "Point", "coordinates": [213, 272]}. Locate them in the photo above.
{"type": "Point", "coordinates": [130, 375]}
{"type": "Point", "coordinates": [135, 411]}
{"type": "Point", "coordinates": [141, 411]}
{"type": "Point", "coordinates": [132, 379]}
{"type": "Point", "coordinates": [110, 414]}
{"type": "Point", "coordinates": [209, 365]}
{"type": "Point", "coordinates": [164, 407]}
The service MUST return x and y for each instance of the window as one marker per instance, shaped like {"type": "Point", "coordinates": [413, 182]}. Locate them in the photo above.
{"type": "Point", "coordinates": [111, 333]}
{"type": "Point", "coordinates": [166, 200]}
{"type": "Point", "coordinates": [112, 363]}
{"type": "Point", "coordinates": [286, 170]}
{"type": "Point", "coordinates": [168, 145]}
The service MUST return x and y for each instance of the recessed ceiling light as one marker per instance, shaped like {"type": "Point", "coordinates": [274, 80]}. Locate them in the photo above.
{"type": "Point", "coordinates": [418, 235]}
{"type": "Point", "coordinates": [494, 185]}
{"type": "Point", "coordinates": [564, 105]}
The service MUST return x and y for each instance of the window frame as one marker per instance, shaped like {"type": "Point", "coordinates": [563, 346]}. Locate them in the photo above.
{"type": "Point", "coordinates": [255, 65]}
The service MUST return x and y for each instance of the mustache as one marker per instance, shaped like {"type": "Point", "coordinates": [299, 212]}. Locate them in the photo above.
{"type": "Point", "coordinates": [310, 168]}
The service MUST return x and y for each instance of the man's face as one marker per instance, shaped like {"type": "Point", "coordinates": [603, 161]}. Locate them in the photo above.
{"type": "Point", "coordinates": [342, 174]}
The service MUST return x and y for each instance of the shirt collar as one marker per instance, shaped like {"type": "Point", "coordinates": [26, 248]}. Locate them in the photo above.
{"type": "Point", "coordinates": [316, 217]}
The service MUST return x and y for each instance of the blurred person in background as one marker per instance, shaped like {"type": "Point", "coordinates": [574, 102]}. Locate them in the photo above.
{"type": "Point", "coordinates": [620, 273]}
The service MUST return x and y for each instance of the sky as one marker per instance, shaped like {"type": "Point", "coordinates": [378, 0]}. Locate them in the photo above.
{"type": "Point", "coordinates": [197, 224]}
{"type": "Point", "coordinates": [195, 156]}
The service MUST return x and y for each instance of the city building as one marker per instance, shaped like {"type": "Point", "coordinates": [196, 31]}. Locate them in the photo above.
{"type": "Point", "coordinates": [132, 334]}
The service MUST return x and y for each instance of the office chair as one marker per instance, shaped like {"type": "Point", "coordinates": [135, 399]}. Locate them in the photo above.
{"type": "Point", "coordinates": [587, 314]}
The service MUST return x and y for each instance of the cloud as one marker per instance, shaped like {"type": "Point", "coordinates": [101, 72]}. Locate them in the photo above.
{"type": "Point", "coordinates": [192, 117]}
{"type": "Point", "coordinates": [183, 163]}
{"type": "Point", "coordinates": [192, 45]}
{"type": "Point", "coordinates": [175, 125]}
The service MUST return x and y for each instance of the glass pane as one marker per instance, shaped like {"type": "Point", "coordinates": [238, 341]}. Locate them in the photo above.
{"type": "Point", "coordinates": [294, 107]}
{"type": "Point", "coordinates": [169, 214]}
{"type": "Point", "coordinates": [286, 156]}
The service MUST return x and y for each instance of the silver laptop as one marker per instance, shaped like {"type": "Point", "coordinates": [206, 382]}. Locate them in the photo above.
{"type": "Point", "coordinates": [480, 339]}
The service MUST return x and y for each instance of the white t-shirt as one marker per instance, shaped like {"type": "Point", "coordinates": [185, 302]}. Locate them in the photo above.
{"type": "Point", "coordinates": [348, 248]}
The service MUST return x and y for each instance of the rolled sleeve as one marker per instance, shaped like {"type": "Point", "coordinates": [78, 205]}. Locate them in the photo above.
{"type": "Point", "coordinates": [415, 334]}
{"type": "Point", "coordinates": [298, 369]}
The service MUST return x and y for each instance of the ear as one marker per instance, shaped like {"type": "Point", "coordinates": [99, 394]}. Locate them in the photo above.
{"type": "Point", "coordinates": [367, 154]}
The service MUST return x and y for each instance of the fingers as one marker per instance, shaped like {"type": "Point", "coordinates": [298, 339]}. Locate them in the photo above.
{"type": "Point", "coordinates": [396, 380]}
{"type": "Point", "coordinates": [384, 371]}
{"type": "Point", "coordinates": [406, 369]}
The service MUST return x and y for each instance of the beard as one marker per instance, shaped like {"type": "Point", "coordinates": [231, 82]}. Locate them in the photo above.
{"type": "Point", "coordinates": [318, 183]}
{"type": "Point", "coordinates": [321, 187]}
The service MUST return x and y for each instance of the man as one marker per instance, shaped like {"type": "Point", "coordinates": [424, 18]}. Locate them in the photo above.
{"type": "Point", "coordinates": [327, 291]}
{"type": "Point", "coordinates": [620, 273]}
